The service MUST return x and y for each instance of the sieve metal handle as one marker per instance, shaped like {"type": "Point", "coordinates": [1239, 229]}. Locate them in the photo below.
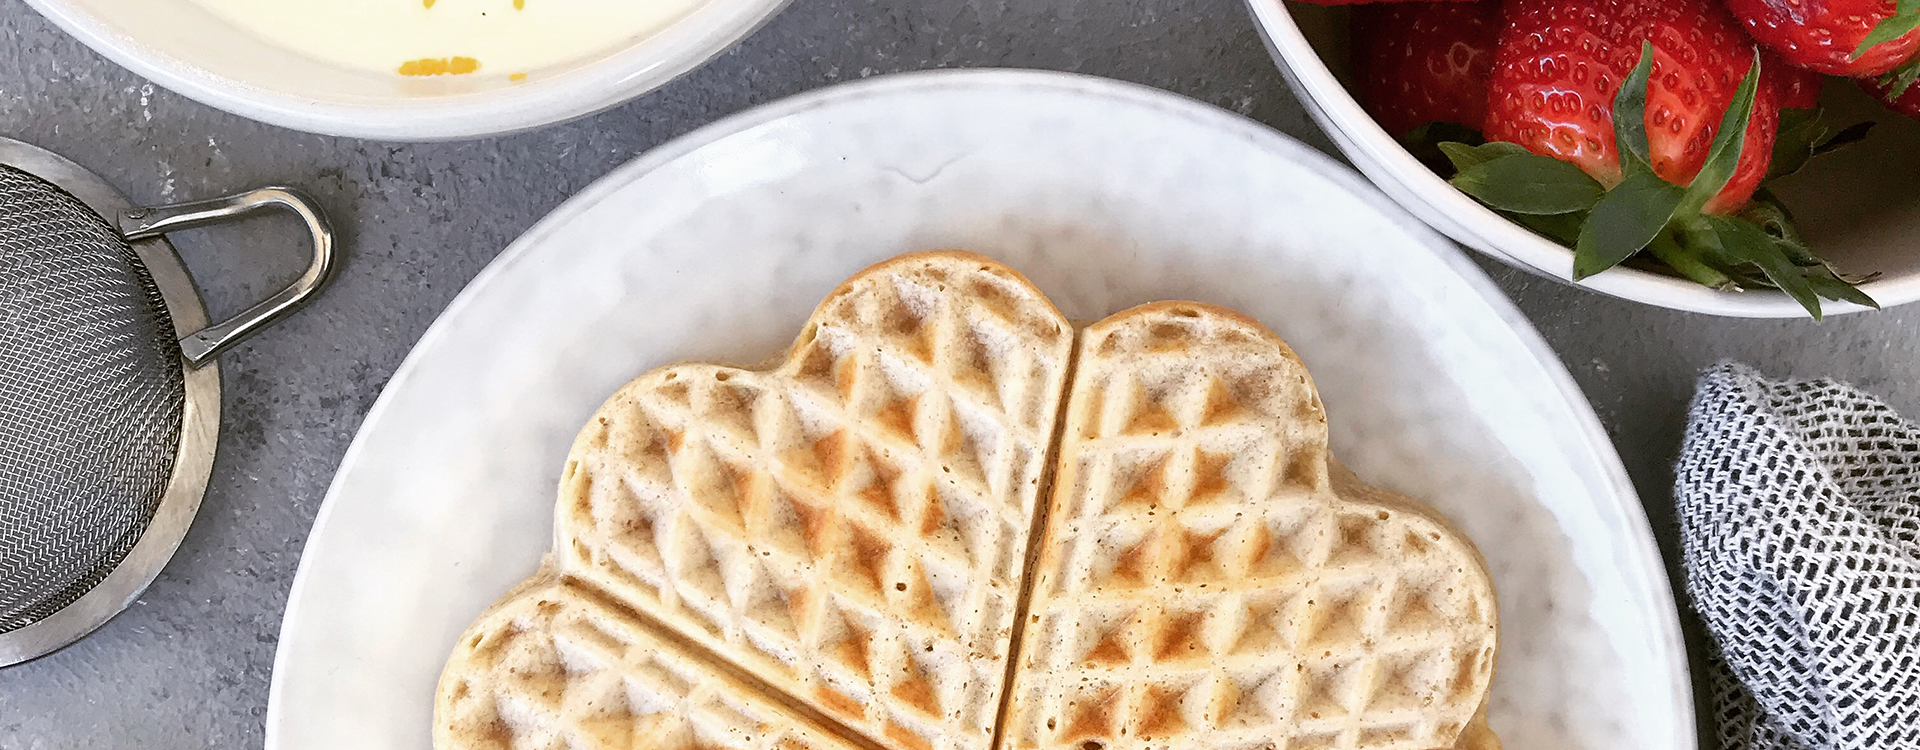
{"type": "Point", "coordinates": [207, 343]}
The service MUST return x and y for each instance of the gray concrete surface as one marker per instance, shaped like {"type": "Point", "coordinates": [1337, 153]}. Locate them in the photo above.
{"type": "Point", "coordinates": [188, 666]}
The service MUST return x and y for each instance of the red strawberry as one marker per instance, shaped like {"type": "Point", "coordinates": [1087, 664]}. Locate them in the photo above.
{"type": "Point", "coordinates": [1416, 63]}
{"type": "Point", "coordinates": [1805, 131]}
{"type": "Point", "coordinates": [1560, 64]}
{"type": "Point", "coordinates": [1378, 2]}
{"type": "Point", "coordinates": [1626, 128]}
{"type": "Point", "coordinates": [1907, 103]}
{"type": "Point", "coordinates": [1823, 35]}
{"type": "Point", "coordinates": [1799, 87]}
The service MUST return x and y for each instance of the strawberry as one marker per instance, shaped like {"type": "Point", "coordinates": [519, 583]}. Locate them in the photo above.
{"type": "Point", "coordinates": [1379, 2]}
{"type": "Point", "coordinates": [1623, 127]}
{"type": "Point", "coordinates": [1419, 63]}
{"type": "Point", "coordinates": [1854, 38]}
{"type": "Point", "coordinates": [1804, 129]}
{"type": "Point", "coordinates": [1560, 63]}
{"type": "Point", "coordinates": [1907, 103]}
{"type": "Point", "coordinates": [1799, 87]}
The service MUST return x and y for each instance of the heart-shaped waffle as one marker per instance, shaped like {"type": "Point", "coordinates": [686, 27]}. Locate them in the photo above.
{"type": "Point", "coordinates": [842, 541]}
{"type": "Point", "coordinates": [1210, 579]}
{"type": "Point", "coordinates": [849, 526]}
{"type": "Point", "coordinates": [553, 667]}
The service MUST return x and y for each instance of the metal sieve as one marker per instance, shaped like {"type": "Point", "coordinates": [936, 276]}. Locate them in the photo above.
{"type": "Point", "coordinates": [109, 393]}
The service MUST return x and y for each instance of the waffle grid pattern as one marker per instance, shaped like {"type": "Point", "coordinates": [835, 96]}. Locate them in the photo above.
{"type": "Point", "coordinates": [1204, 587]}
{"type": "Point", "coordinates": [554, 671]}
{"type": "Point", "coordinates": [852, 523]}
{"type": "Point", "coordinates": [851, 528]}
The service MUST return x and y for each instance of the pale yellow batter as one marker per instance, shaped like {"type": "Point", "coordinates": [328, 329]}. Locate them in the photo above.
{"type": "Point", "coordinates": [450, 37]}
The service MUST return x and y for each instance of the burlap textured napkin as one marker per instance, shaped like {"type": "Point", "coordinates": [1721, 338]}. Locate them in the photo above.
{"type": "Point", "coordinates": [1799, 506]}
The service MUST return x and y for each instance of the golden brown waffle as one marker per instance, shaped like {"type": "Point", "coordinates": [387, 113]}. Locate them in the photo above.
{"type": "Point", "coordinates": [1477, 735]}
{"type": "Point", "coordinates": [837, 547]}
{"type": "Point", "coordinates": [851, 525]}
{"type": "Point", "coordinates": [1211, 580]}
{"type": "Point", "coordinates": [549, 668]}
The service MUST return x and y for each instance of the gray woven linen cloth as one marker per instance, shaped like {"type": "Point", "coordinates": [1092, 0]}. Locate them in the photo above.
{"type": "Point", "coordinates": [1799, 508]}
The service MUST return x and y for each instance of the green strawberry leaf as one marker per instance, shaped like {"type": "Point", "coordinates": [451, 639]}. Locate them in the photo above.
{"type": "Point", "coordinates": [1530, 184]}
{"type": "Point", "coordinates": [1847, 136]}
{"type": "Point", "coordinates": [1424, 143]}
{"type": "Point", "coordinates": [1804, 134]}
{"type": "Point", "coordinates": [1688, 262]}
{"type": "Point", "coordinates": [1630, 116]}
{"type": "Point", "coordinates": [1800, 132]}
{"type": "Point", "coordinates": [1745, 242]}
{"type": "Point", "coordinates": [1766, 211]}
{"type": "Point", "coordinates": [1776, 224]}
{"type": "Point", "coordinates": [1903, 20]}
{"type": "Point", "coordinates": [1624, 221]}
{"type": "Point", "coordinates": [1723, 157]}
{"type": "Point", "coordinates": [1831, 287]}
{"type": "Point", "coordinates": [1561, 228]}
{"type": "Point", "coordinates": [1465, 156]}
{"type": "Point", "coordinates": [1704, 244]}
{"type": "Point", "coordinates": [1899, 79]}
{"type": "Point", "coordinates": [1795, 119]}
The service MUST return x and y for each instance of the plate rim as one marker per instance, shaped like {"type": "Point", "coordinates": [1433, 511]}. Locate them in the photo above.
{"type": "Point", "coordinates": [1652, 568]}
{"type": "Point", "coordinates": [703, 33]}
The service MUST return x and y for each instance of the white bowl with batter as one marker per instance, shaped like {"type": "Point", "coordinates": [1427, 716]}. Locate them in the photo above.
{"type": "Point", "coordinates": [335, 67]}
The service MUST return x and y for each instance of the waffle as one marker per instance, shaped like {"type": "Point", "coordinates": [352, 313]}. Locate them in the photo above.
{"type": "Point", "coordinates": [849, 526]}
{"type": "Point", "coordinates": [549, 668]}
{"type": "Point", "coordinates": [1477, 735]}
{"type": "Point", "coordinates": [1211, 579]}
{"type": "Point", "coordinates": [834, 551]}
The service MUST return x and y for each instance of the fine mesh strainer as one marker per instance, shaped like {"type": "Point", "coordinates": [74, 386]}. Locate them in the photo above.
{"type": "Point", "coordinates": [109, 393]}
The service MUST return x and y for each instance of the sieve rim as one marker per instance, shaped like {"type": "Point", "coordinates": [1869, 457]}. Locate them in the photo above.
{"type": "Point", "coordinates": [199, 422]}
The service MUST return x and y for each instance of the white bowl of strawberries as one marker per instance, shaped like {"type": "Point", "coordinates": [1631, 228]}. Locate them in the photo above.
{"type": "Point", "coordinates": [1493, 120]}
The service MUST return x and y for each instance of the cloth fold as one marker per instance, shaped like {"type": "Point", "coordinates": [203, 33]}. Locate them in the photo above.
{"type": "Point", "coordinates": [1799, 508]}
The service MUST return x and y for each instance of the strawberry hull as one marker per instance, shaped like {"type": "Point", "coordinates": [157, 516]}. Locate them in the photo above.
{"type": "Point", "coordinates": [1550, 216]}
{"type": "Point", "coordinates": [1559, 65]}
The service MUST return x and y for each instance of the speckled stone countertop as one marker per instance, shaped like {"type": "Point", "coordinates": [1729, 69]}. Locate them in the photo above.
{"type": "Point", "coordinates": [188, 665]}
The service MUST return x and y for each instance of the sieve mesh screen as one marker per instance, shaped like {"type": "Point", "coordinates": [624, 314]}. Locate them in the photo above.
{"type": "Point", "coordinates": [91, 395]}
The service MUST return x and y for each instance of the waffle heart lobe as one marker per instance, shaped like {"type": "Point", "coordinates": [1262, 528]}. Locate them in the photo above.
{"type": "Point", "coordinates": [1212, 579]}
{"type": "Point", "coordinates": [851, 525]}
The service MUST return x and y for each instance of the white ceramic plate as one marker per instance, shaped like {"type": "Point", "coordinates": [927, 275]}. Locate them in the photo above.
{"type": "Point", "coordinates": [718, 245]}
{"type": "Point", "coordinates": [182, 46]}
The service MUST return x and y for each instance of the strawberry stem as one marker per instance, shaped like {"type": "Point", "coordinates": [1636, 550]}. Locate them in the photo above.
{"type": "Point", "coordinates": [1688, 263]}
